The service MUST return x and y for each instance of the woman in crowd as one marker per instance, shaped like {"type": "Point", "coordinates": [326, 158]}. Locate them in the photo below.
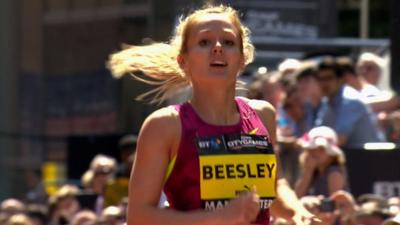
{"type": "Point", "coordinates": [322, 164]}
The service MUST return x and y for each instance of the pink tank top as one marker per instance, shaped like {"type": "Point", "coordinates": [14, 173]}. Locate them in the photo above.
{"type": "Point", "coordinates": [183, 188]}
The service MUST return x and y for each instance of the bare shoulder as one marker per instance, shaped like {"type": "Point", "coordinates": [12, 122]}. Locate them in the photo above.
{"type": "Point", "coordinates": [162, 125]}
{"type": "Point", "coordinates": [166, 117]}
{"type": "Point", "coordinates": [165, 114]}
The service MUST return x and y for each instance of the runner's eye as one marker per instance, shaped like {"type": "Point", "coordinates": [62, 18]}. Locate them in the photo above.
{"type": "Point", "coordinates": [204, 42]}
{"type": "Point", "coordinates": [228, 42]}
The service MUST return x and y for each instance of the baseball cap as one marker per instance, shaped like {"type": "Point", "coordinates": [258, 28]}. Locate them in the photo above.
{"type": "Point", "coordinates": [325, 137]}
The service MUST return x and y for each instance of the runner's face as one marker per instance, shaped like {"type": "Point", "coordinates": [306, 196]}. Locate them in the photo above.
{"type": "Point", "coordinates": [213, 51]}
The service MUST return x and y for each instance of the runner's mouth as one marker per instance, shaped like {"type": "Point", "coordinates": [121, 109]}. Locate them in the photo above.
{"type": "Point", "coordinates": [218, 64]}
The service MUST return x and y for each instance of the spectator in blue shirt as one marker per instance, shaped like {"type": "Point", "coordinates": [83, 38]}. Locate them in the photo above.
{"type": "Point", "coordinates": [342, 110]}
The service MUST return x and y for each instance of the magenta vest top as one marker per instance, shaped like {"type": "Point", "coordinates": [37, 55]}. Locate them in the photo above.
{"type": "Point", "coordinates": [182, 187]}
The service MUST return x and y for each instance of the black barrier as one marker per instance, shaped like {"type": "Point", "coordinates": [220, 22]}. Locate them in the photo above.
{"type": "Point", "coordinates": [374, 171]}
{"type": "Point", "coordinates": [82, 149]}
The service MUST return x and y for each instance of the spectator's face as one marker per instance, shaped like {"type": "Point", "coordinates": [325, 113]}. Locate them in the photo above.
{"type": "Point", "coordinates": [309, 87]}
{"type": "Point", "coordinates": [272, 92]}
{"type": "Point", "coordinates": [68, 207]}
{"type": "Point", "coordinates": [319, 155]}
{"type": "Point", "coordinates": [328, 82]}
{"type": "Point", "coordinates": [294, 108]}
{"type": "Point", "coordinates": [100, 180]}
{"type": "Point", "coordinates": [370, 71]}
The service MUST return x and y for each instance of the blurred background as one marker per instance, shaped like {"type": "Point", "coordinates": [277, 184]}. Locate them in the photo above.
{"type": "Point", "coordinates": [60, 106]}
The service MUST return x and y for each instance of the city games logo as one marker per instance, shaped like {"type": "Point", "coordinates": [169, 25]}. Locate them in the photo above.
{"type": "Point", "coordinates": [247, 142]}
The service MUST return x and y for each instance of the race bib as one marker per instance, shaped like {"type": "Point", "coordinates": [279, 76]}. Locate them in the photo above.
{"type": "Point", "coordinates": [231, 164]}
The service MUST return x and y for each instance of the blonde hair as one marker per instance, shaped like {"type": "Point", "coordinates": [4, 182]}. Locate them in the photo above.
{"type": "Point", "coordinates": [87, 178]}
{"type": "Point", "coordinates": [65, 191]}
{"type": "Point", "coordinates": [103, 162]}
{"type": "Point", "coordinates": [158, 61]}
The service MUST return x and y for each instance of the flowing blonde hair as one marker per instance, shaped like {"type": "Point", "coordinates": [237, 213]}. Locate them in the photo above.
{"type": "Point", "coordinates": [158, 61]}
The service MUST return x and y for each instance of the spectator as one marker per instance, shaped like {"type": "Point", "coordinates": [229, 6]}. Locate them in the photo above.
{"type": "Point", "coordinates": [392, 126]}
{"type": "Point", "coordinates": [369, 66]}
{"type": "Point", "coordinates": [127, 149]}
{"type": "Point", "coordinates": [309, 94]}
{"type": "Point", "coordinates": [394, 205]}
{"type": "Point", "coordinates": [311, 203]}
{"type": "Point", "coordinates": [296, 112]}
{"type": "Point", "coordinates": [95, 180]}
{"type": "Point", "coordinates": [367, 91]}
{"type": "Point", "coordinates": [315, 204]}
{"type": "Point", "coordinates": [268, 87]}
{"type": "Point", "coordinates": [288, 66]}
{"type": "Point", "coordinates": [322, 164]}
{"type": "Point", "coordinates": [369, 197]}
{"type": "Point", "coordinates": [345, 206]}
{"type": "Point", "coordinates": [103, 163]}
{"type": "Point", "coordinates": [102, 169]}
{"type": "Point", "coordinates": [36, 189]}
{"type": "Point", "coordinates": [37, 214]}
{"type": "Point", "coordinates": [297, 125]}
{"type": "Point", "coordinates": [380, 101]}
{"type": "Point", "coordinates": [19, 219]}
{"type": "Point", "coordinates": [112, 215]}
{"type": "Point", "coordinates": [353, 121]}
{"type": "Point", "coordinates": [271, 87]}
{"type": "Point", "coordinates": [11, 206]}
{"type": "Point", "coordinates": [117, 188]}
{"type": "Point", "coordinates": [63, 205]}
{"type": "Point", "coordinates": [84, 217]}
{"type": "Point", "coordinates": [371, 213]}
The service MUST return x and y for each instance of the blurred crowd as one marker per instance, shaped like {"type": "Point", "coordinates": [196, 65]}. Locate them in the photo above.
{"type": "Point", "coordinates": [338, 92]}
{"type": "Point", "coordinates": [100, 197]}
{"type": "Point", "coordinates": [325, 107]}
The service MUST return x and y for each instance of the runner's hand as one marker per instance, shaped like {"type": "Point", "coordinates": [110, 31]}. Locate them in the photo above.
{"type": "Point", "coordinates": [242, 210]}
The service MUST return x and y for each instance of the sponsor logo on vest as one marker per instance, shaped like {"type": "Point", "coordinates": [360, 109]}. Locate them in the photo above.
{"type": "Point", "coordinates": [210, 144]}
{"type": "Point", "coordinates": [246, 142]}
